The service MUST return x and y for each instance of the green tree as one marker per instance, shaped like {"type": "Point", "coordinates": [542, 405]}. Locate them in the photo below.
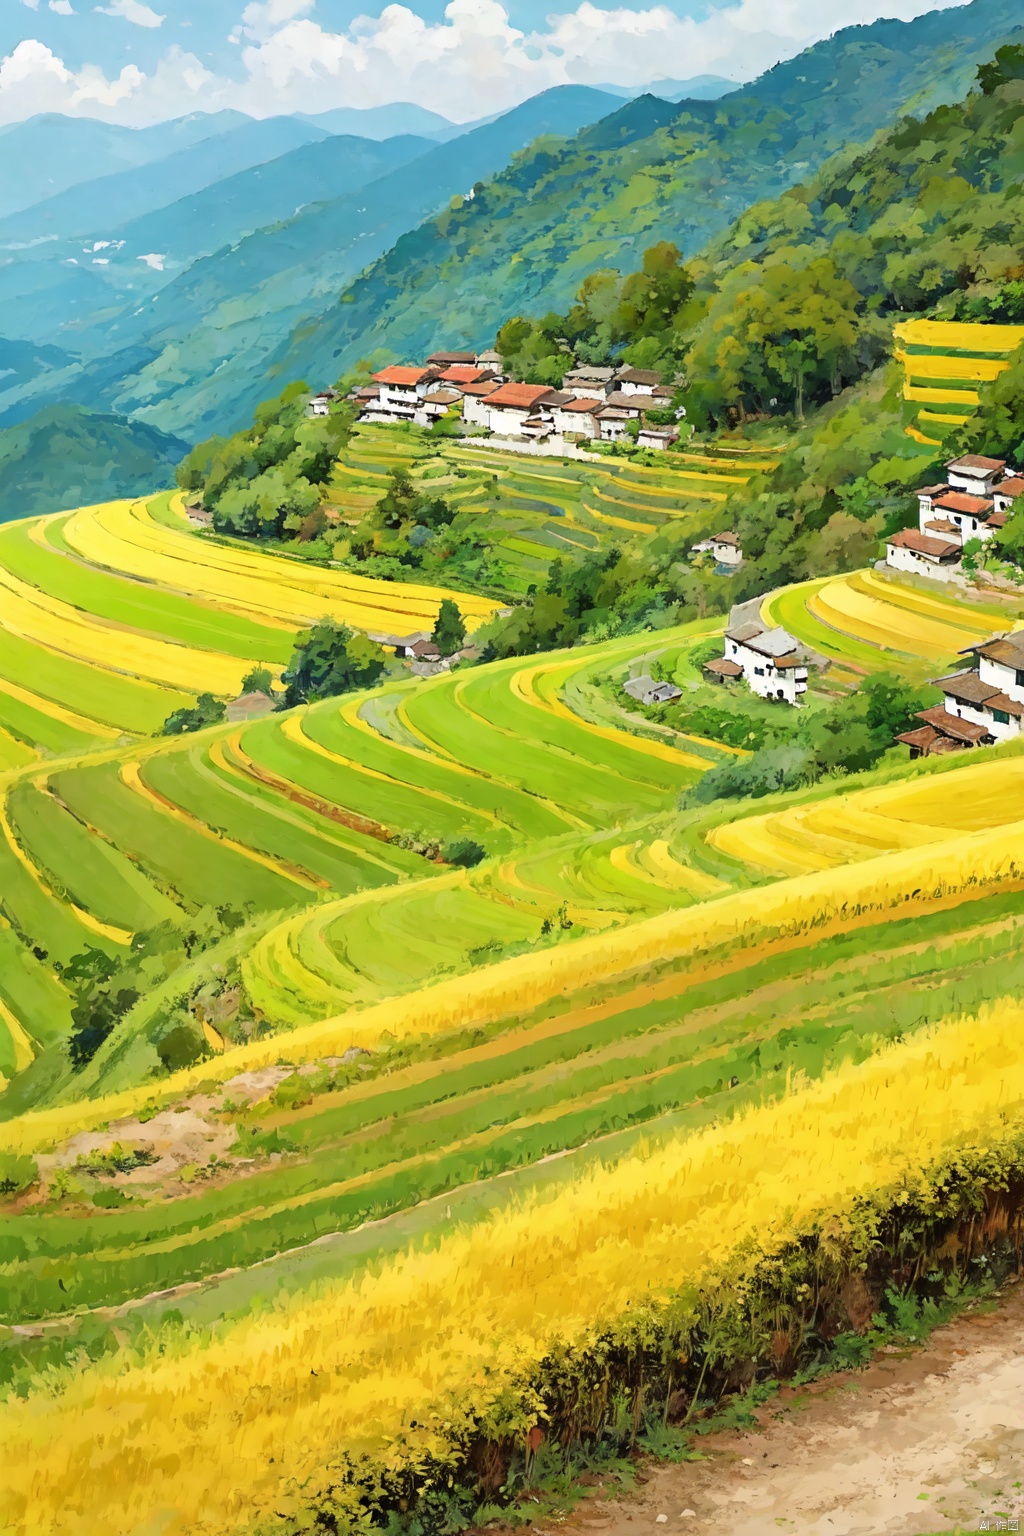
{"type": "Point", "coordinates": [207, 711]}
{"type": "Point", "coordinates": [331, 659]}
{"type": "Point", "coordinates": [449, 628]}
{"type": "Point", "coordinates": [258, 680]}
{"type": "Point", "coordinates": [1007, 66]}
{"type": "Point", "coordinates": [997, 427]}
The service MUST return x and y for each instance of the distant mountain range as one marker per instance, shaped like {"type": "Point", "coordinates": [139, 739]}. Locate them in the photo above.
{"type": "Point", "coordinates": [204, 263]}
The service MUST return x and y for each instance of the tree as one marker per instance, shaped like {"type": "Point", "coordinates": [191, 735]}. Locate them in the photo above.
{"type": "Point", "coordinates": [399, 504]}
{"type": "Point", "coordinates": [463, 851]}
{"type": "Point", "coordinates": [328, 660]}
{"type": "Point", "coordinates": [1007, 66]}
{"type": "Point", "coordinates": [207, 711]}
{"type": "Point", "coordinates": [997, 428]}
{"type": "Point", "coordinates": [258, 680]}
{"type": "Point", "coordinates": [449, 629]}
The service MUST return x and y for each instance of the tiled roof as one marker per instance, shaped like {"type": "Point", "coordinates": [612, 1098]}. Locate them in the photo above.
{"type": "Point", "coordinates": [977, 461]}
{"type": "Point", "coordinates": [953, 725]}
{"type": "Point", "coordinates": [1008, 650]}
{"type": "Point", "coordinates": [582, 405]}
{"type": "Point", "coordinates": [464, 373]}
{"type": "Point", "coordinates": [931, 490]}
{"type": "Point", "coordinates": [521, 397]}
{"type": "Point", "coordinates": [942, 525]}
{"type": "Point", "coordinates": [958, 501]}
{"type": "Point", "coordinates": [922, 544]}
{"type": "Point", "coordinates": [407, 376]}
{"type": "Point", "coordinates": [1013, 487]}
{"type": "Point", "coordinates": [967, 687]}
{"type": "Point", "coordinates": [725, 538]}
{"type": "Point", "coordinates": [640, 376]}
{"type": "Point", "coordinates": [446, 359]}
{"type": "Point", "coordinates": [721, 666]}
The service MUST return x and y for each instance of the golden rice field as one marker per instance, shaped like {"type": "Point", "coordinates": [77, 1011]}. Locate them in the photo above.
{"type": "Point", "coordinates": [944, 363]}
{"type": "Point", "coordinates": [447, 1117]}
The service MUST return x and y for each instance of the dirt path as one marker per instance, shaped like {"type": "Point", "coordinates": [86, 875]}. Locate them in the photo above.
{"type": "Point", "coordinates": [921, 1441]}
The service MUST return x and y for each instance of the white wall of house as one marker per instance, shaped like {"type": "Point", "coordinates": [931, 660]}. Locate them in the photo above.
{"type": "Point", "coordinates": [474, 410]}
{"type": "Point", "coordinates": [726, 554]}
{"type": "Point", "coordinates": [507, 421]}
{"type": "Point", "coordinates": [766, 679]}
{"type": "Point", "coordinates": [1001, 729]}
{"type": "Point", "coordinates": [975, 482]}
{"type": "Point", "coordinates": [899, 559]}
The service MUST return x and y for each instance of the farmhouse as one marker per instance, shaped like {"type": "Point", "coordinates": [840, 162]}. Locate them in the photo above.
{"type": "Point", "coordinates": [593, 380]}
{"type": "Point", "coordinates": [982, 705]}
{"type": "Point", "coordinates": [637, 381]}
{"type": "Point", "coordinates": [974, 504]}
{"type": "Point", "coordinates": [512, 405]}
{"type": "Point", "coordinates": [770, 660]}
{"type": "Point", "coordinates": [975, 474]}
{"type": "Point", "coordinates": [923, 554]}
{"type": "Point", "coordinates": [612, 424]}
{"type": "Point", "coordinates": [401, 392]}
{"type": "Point", "coordinates": [320, 405]}
{"type": "Point", "coordinates": [648, 690]}
{"type": "Point", "coordinates": [657, 438]}
{"type": "Point", "coordinates": [725, 547]}
{"type": "Point", "coordinates": [577, 416]}
{"type": "Point", "coordinates": [474, 402]}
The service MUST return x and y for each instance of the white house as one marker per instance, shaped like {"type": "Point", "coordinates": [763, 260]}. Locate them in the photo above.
{"type": "Point", "coordinates": [637, 381]}
{"type": "Point", "coordinates": [320, 405]}
{"type": "Point", "coordinates": [612, 423]}
{"type": "Point", "coordinates": [1006, 492]}
{"type": "Point", "coordinates": [923, 554]}
{"type": "Point", "coordinates": [725, 547]}
{"type": "Point", "coordinates": [593, 380]}
{"type": "Point", "coordinates": [474, 403]}
{"type": "Point", "coordinates": [435, 405]}
{"type": "Point", "coordinates": [770, 660]}
{"type": "Point", "coordinates": [657, 438]}
{"type": "Point", "coordinates": [647, 690]}
{"type": "Point", "coordinates": [402, 391]}
{"type": "Point", "coordinates": [511, 405]}
{"type": "Point", "coordinates": [980, 706]}
{"type": "Point", "coordinates": [577, 416]}
{"type": "Point", "coordinates": [975, 474]}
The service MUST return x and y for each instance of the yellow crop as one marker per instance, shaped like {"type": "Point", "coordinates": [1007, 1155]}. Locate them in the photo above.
{"type": "Point", "coordinates": [122, 536]}
{"type": "Point", "coordinates": [203, 1437]}
{"type": "Point", "coordinates": [820, 902]}
{"type": "Point", "coordinates": [960, 336]}
{"type": "Point", "coordinates": [862, 610]}
{"type": "Point", "coordinates": [929, 396]}
{"type": "Point", "coordinates": [978, 370]}
{"type": "Point", "coordinates": [47, 621]}
{"type": "Point", "coordinates": [859, 825]}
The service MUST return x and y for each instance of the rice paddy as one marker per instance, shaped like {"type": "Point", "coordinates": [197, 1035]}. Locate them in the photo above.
{"type": "Point", "coordinates": [497, 1028]}
{"type": "Point", "coordinates": [944, 364]}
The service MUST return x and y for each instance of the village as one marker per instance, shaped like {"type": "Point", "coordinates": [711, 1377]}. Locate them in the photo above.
{"type": "Point", "coordinates": [606, 405]}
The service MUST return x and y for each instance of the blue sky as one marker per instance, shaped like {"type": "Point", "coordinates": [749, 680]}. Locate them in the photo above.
{"type": "Point", "coordinates": [140, 61]}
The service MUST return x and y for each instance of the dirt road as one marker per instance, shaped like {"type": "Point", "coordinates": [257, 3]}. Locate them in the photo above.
{"type": "Point", "coordinates": [922, 1441]}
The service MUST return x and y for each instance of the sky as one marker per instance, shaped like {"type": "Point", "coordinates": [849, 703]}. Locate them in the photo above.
{"type": "Point", "coordinates": [138, 62]}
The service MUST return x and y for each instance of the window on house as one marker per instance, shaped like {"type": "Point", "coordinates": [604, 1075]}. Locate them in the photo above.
{"type": "Point", "coordinates": [1001, 716]}
{"type": "Point", "coordinates": [759, 671]}
{"type": "Point", "coordinates": [1018, 677]}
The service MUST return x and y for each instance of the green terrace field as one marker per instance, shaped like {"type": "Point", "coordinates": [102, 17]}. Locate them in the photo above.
{"type": "Point", "coordinates": [535, 508]}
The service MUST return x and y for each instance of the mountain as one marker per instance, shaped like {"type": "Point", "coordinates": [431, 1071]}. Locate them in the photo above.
{"type": "Point", "coordinates": [45, 155]}
{"type": "Point", "coordinates": [198, 354]}
{"type": "Point", "coordinates": [398, 117]}
{"type": "Point", "coordinates": [68, 456]}
{"type": "Point", "coordinates": [97, 207]}
{"type": "Point", "coordinates": [58, 286]}
{"type": "Point", "coordinates": [699, 88]}
{"type": "Point", "coordinates": [651, 171]}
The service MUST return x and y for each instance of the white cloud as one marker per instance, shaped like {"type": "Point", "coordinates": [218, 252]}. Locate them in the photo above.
{"type": "Point", "coordinates": [471, 63]}
{"type": "Point", "coordinates": [62, 7]}
{"type": "Point", "coordinates": [133, 11]}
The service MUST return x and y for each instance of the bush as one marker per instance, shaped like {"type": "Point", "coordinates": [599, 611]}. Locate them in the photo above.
{"type": "Point", "coordinates": [16, 1173]}
{"type": "Point", "coordinates": [764, 773]}
{"type": "Point", "coordinates": [463, 851]}
{"type": "Point", "coordinates": [207, 711]}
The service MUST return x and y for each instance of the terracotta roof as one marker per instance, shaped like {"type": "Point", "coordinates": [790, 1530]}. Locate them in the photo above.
{"type": "Point", "coordinates": [725, 538]}
{"type": "Point", "coordinates": [369, 393]}
{"type": "Point", "coordinates": [480, 391]}
{"type": "Point", "coordinates": [408, 376]}
{"type": "Point", "coordinates": [582, 405]}
{"type": "Point", "coordinates": [1013, 487]}
{"type": "Point", "coordinates": [942, 525]}
{"type": "Point", "coordinates": [977, 461]}
{"type": "Point", "coordinates": [1008, 706]}
{"type": "Point", "coordinates": [443, 396]}
{"type": "Point", "coordinates": [464, 373]}
{"type": "Point", "coordinates": [921, 544]}
{"type": "Point", "coordinates": [723, 667]}
{"type": "Point", "coordinates": [924, 737]}
{"type": "Point", "coordinates": [520, 397]}
{"type": "Point", "coordinates": [997, 520]}
{"type": "Point", "coordinates": [931, 490]}
{"type": "Point", "coordinates": [953, 725]}
{"type": "Point", "coordinates": [958, 501]}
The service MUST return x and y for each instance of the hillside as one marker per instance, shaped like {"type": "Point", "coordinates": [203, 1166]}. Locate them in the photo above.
{"type": "Point", "coordinates": [423, 1133]}
{"type": "Point", "coordinates": [647, 173]}
{"type": "Point", "coordinates": [68, 456]}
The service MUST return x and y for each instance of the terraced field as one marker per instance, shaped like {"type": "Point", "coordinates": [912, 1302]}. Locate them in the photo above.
{"type": "Point", "coordinates": [944, 363]}
{"type": "Point", "coordinates": [451, 1120]}
{"type": "Point", "coordinates": [536, 508]}
{"type": "Point", "coordinates": [872, 620]}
